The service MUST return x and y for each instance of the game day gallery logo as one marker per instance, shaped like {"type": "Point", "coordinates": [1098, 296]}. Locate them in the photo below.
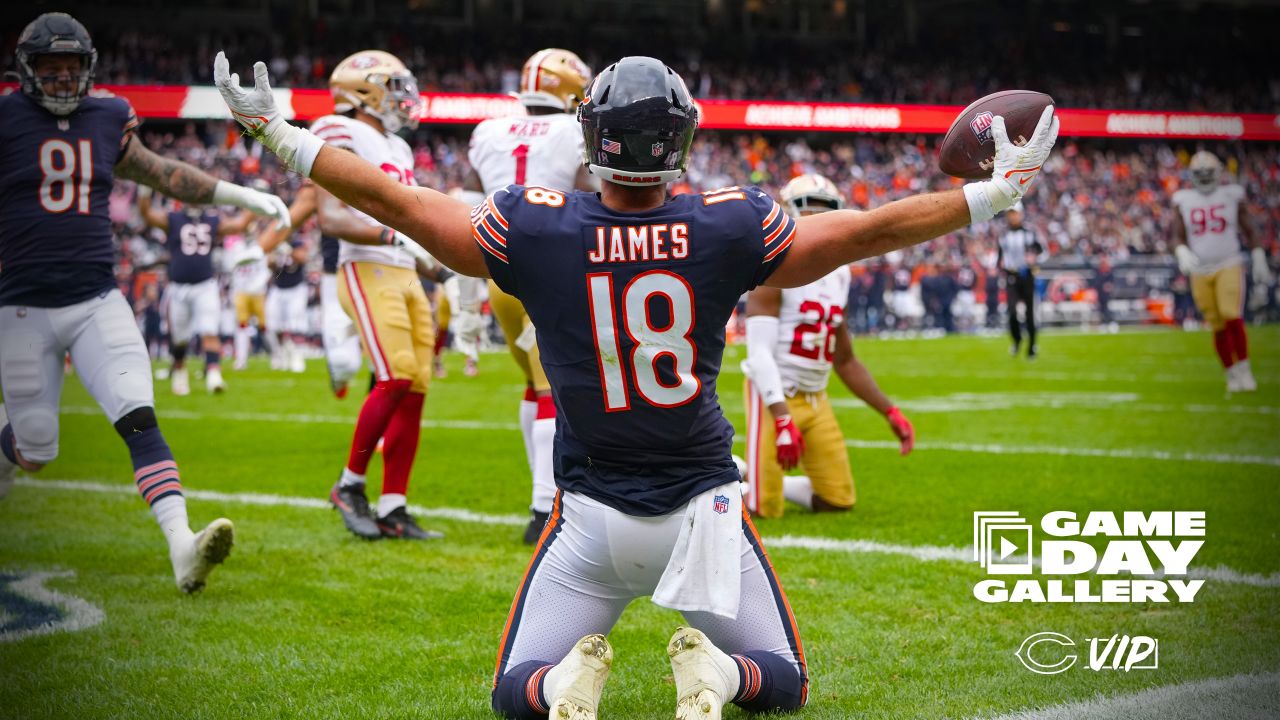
{"type": "Point", "coordinates": [1145, 557]}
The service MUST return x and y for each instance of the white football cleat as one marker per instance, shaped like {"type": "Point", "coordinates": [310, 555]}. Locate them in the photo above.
{"type": "Point", "coordinates": [297, 363]}
{"type": "Point", "coordinates": [213, 381]}
{"type": "Point", "coordinates": [1244, 377]}
{"type": "Point", "coordinates": [193, 562]}
{"type": "Point", "coordinates": [706, 678]}
{"type": "Point", "coordinates": [179, 383]}
{"type": "Point", "coordinates": [8, 470]}
{"type": "Point", "coordinates": [583, 672]}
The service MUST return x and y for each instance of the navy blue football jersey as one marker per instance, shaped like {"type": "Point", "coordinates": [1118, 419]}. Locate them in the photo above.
{"type": "Point", "coordinates": [630, 311]}
{"type": "Point", "coordinates": [290, 274]}
{"type": "Point", "coordinates": [55, 179]}
{"type": "Point", "coordinates": [190, 241]}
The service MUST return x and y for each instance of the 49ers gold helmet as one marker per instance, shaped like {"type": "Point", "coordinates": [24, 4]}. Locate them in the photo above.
{"type": "Point", "coordinates": [554, 78]}
{"type": "Point", "coordinates": [379, 84]}
{"type": "Point", "coordinates": [810, 193]}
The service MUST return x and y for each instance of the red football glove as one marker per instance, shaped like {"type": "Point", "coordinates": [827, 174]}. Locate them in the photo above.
{"type": "Point", "coordinates": [901, 427]}
{"type": "Point", "coordinates": [790, 443]}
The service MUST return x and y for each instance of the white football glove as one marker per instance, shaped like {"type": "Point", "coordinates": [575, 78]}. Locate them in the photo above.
{"type": "Point", "coordinates": [257, 111]}
{"type": "Point", "coordinates": [1188, 263]}
{"type": "Point", "coordinates": [1261, 270]}
{"type": "Point", "coordinates": [265, 204]}
{"type": "Point", "coordinates": [1016, 168]}
{"type": "Point", "coordinates": [416, 251]}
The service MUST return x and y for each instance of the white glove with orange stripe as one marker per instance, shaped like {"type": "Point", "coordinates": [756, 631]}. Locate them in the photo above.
{"type": "Point", "coordinates": [257, 111]}
{"type": "Point", "coordinates": [1016, 168]}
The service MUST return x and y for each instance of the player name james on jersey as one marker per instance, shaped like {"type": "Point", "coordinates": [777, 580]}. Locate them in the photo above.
{"type": "Point", "coordinates": [640, 243]}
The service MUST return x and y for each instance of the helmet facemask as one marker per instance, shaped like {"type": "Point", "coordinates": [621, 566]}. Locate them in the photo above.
{"type": "Point", "coordinates": [1206, 171]}
{"type": "Point", "coordinates": [56, 34]}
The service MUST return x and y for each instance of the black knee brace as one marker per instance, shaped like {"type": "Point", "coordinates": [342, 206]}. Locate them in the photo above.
{"type": "Point", "coordinates": [136, 421]}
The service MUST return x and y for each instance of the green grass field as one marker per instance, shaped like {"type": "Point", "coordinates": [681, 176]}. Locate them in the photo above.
{"type": "Point", "coordinates": [305, 621]}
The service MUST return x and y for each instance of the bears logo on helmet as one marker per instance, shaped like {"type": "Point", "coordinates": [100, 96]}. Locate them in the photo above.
{"type": "Point", "coordinates": [379, 84]}
{"type": "Point", "coordinates": [55, 33]}
{"type": "Point", "coordinates": [638, 122]}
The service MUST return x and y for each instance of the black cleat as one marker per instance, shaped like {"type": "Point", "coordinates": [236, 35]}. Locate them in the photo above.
{"type": "Point", "coordinates": [534, 529]}
{"type": "Point", "coordinates": [352, 504]}
{"type": "Point", "coordinates": [1032, 353]}
{"type": "Point", "coordinates": [400, 524]}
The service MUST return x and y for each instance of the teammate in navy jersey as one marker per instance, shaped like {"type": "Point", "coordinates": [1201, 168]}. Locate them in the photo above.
{"type": "Point", "coordinates": [193, 301]}
{"type": "Point", "coordinates": [630, 293]}
{"type": "Point", "coordinates": [60, 149]}
{"type": "Point", "coordinates": [287, 304]}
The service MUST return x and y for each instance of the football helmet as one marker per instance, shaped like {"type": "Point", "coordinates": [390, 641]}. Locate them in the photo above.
{"type": "Point", "coordinates": [809, 194]}
{"type": "Point", "coordinates": [553, 78]}
{"type": "Point", "coordinates": [1206, 170]}
{"type": "Point", "coordinates": [379, 84]}
{"type": "Point", "coordinates": [55, 33]}
{"type": "Point", "coordinates": [638, 121]}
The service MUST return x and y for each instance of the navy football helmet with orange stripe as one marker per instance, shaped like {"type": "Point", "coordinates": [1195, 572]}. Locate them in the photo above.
{"type": "Point", "coordinates": [638, 122]}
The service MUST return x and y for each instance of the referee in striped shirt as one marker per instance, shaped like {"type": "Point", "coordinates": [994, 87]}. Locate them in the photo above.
{"type": "Point", "coordinates": [1020, 254]}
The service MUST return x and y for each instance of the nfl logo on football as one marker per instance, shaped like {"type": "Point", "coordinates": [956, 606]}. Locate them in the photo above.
{"type": "Point", "coordinates": [981, 126]}
{"type": "Point", "coordinates": [721, 504]}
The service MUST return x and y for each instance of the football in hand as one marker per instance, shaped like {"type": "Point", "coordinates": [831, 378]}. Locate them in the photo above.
{"type": "Point", "coordinates": [969, 150]}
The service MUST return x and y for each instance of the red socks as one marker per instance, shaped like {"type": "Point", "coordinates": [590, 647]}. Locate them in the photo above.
{"type": "Point", "coordinates": [1239, 340]}
{"type": "Point", "coordinates": [1232, 343]}
{"type": "Point", "coordinates": [401, 444]}
{"type": "Point", "coordinates": [375, 415]}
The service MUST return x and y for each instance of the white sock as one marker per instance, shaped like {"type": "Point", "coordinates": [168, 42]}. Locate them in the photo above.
{"type": "Point", "coordinates": [544, 478]}
{"type": "Point", "coordinates": [350, 478]}
{"type": "Point", "coordinates": [388, 502]}
{"type": "Point", "coordinates": [171, 515]}
{"type": "Point", "coordinates": [242, 344]}
{"type": "Point", "coordinates": [528, 413]}
{"type": "Point", "coordinates": [798, 489]}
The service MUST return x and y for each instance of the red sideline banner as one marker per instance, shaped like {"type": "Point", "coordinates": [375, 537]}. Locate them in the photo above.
{"type": "Point", "coordinates": [203, 102]}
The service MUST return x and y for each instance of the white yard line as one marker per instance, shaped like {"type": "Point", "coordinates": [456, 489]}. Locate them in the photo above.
{"type": "Point", "coordinates": [1238, 696]}
{"type": "Point", "coordinates": [1126, 454]}
{"type": "Point", "coordinates": [926, 553]}
{"type": "Point", "coordinates": [983, 448]}
{"type": "Point", "coordinates": [77, 614]}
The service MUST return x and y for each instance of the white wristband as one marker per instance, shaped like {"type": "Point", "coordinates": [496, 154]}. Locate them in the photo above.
{"type": "Point", "coordinates": [989, 198]}
{"type": "Point", "coordinates": [225, 193]}
{"type": "Point", "coordinates": [296, 147]}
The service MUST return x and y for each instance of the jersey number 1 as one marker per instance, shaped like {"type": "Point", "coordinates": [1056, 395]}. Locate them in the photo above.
{"type": "Point", "coordinates": [650, 341]}
{"type": "Point", "coordinates": [521, 154]}
{"type": "Point", "coordinates": [58, 165]}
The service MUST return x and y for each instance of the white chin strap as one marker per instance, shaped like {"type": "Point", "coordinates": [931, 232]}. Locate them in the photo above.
{"type": "Point", "coordinates": [635, 178]}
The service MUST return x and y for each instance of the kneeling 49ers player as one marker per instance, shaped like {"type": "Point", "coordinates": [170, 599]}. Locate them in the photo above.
{"type": "Point", "coordinates": [630, 292]}
{"type": "Point", "coordinates": [795, 336]}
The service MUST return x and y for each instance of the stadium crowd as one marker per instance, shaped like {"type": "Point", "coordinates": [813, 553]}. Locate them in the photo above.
{"type": "Point", "coordinates": [1098, 202]}
{"type": "Point", "coordinates": [864, 75]}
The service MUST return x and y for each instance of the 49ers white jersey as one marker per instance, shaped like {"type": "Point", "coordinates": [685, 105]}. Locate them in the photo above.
{"type": "Point", "coordinates": [1213, 225]}
{"type": "Point", "coordinates": [808, 321]}
{"type": "Point", "coordinates": [248, 276]}
{"type": "Point", "coordinates": [388, 152]}
{"type": "Point", "coordinates": [542, 150]}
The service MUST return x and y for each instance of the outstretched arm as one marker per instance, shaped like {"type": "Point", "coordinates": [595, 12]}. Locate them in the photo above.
{"type": "Point", "coordinates": [192, 185]}
{"type": "Point", "coordinates": [857, 378]}
{"type": "Point", "coordinates": [434, 220]}
{"type": "Point", "coordinates": [827, 240]}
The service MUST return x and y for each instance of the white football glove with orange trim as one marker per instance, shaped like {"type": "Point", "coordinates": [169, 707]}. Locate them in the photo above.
{"type": "Point", "coordinates": [1016, 168]}
{"type": "Point", "coordinates": [257, 111]}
